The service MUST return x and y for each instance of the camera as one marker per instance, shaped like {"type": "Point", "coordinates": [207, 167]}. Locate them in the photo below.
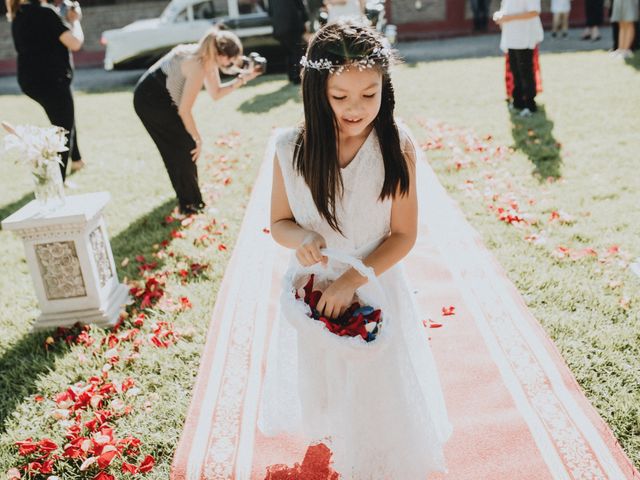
{"type": "Point", "coordinates": [254, 61]}
{"type": "Point", "coordinates": [68, 5]}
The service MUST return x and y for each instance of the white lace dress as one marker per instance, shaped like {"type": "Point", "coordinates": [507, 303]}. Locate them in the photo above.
{"type": "Point", "coordinates": [385, 419]}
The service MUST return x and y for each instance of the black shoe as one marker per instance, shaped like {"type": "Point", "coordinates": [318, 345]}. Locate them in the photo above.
{"type": "Point", "coordinates": [192, 209]}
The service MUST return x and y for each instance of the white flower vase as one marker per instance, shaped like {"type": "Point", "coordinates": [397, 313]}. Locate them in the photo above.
{"type": "Point", "coordinates": [49, 188]}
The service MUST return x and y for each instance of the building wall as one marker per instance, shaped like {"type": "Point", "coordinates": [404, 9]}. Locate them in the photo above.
{"type": "Point", "coordinates": [439, 18]}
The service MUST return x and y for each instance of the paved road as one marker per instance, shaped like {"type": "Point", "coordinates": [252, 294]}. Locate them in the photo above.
{"type": "Point", "coordinates": [92, 79]}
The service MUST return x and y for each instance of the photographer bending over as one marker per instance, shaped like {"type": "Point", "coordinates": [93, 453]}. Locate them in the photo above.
{"type": "Point", "coordinates": [164, 97]}
{"type": "Point", "coordinates": [43, 41]}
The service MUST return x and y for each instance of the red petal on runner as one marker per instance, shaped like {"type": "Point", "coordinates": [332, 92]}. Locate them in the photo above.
{"type": "Point", "coordinates": [38, 398]}
{"type": "Point", "coordinates": [185, 302]}
{"type": "Point", "coordinates": [266, 230]}
{"type": "Point", "coordinates": [140, 258]}
{"type": "Point", "coordinates": [222, 247]}
{"type": "Point", "coordinates": [450, 310]}
{"type": "Point", "coordinates": [435, 325]}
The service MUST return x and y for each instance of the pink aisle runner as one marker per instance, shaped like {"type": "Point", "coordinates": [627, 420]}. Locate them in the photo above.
{"type": "Point", "coordinates": [516, 410]}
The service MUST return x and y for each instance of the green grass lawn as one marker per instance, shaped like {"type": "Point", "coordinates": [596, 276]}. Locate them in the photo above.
{"type": "Point", "coordinates": [586, 136]}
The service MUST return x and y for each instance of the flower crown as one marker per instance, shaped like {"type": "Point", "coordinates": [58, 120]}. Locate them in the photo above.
{"type": "Point", "coordinates": [379, 56]}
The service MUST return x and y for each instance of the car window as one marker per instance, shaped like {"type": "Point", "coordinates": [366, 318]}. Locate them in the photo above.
{"type": "Point", "coordinates": [182, 16]}
{"type": "Point", "coordinates": [251, 6]}
{"type": "Point", "coordinates": [210, 9]}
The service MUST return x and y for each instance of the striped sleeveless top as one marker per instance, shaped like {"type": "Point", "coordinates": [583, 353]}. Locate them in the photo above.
{"type": "Point", "coordinates": [170, 65]}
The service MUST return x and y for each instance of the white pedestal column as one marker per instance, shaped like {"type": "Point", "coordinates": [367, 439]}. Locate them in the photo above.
{"type": "Point", "coordinates": [71, 263]}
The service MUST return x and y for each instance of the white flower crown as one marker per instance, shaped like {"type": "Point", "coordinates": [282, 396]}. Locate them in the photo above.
{"type": "Point", "coordinates": [379, 56]}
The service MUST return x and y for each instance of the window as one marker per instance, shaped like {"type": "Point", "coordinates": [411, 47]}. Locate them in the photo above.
{"type": "Point", "coordinates": [210, 9]}
{"type": "Point", "coordinates": [182, 16]}
{"type": "Point", "coordinates": [251, 6]}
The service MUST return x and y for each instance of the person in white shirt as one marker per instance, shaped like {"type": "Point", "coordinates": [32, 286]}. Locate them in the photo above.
{"type": "Point", "coordinates": [560, 10]}
{"type": "Point", "coordinates": [521, 32]}
{"type": "Point", "coordinates": [344, 9]}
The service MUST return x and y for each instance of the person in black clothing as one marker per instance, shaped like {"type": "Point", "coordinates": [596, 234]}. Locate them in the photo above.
{"type": "Point", "coordinates": [594, 10]}
{"type": "Point", "coordinates": [480, 9]}
{"type": "Point", "coordinates": [288, 18]}
{"type": "Point", "coordinates": [43, 41]}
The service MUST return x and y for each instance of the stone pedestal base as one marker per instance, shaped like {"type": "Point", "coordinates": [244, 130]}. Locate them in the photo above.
{"type": "Point", "coordinates": [102, 318]}
{"type": "Point", "coordinates": [70, 261]}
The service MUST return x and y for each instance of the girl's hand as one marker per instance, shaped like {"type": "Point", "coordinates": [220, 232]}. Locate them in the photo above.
{"type": "Point", "coordinates": [250, 75]}
{"type": "Point", "coordinates": [308, 253]}
{"type": "Point", "coordinates": [195, 153]}
{"type": "Point", "coordinates": [336, 298]}
{"type": "Point", "coordinates": [498, 17]}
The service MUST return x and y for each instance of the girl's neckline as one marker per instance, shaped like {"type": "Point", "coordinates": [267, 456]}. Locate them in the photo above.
{"type": "Point", "coordinates": [357, 155]}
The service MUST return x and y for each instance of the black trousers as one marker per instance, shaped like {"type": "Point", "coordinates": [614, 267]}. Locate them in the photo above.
{"type": "Point", "coordinates": [295, 48]}
{"type": "Point", "coordinates": [57, 100]}
{"type": "Point", "coordinates": [594, 10]}
{"type": "Point", "coordinates": [480, 9]}
{"type": "Point", "coordinates": [524, 81]}
{"type": "Point", "coordinates": [160, 117]}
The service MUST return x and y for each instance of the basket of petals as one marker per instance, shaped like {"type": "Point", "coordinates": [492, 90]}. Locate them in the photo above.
{"type": "Point", "coordinates": [364, 326]}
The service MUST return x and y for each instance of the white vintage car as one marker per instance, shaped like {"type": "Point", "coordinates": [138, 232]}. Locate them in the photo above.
{"type": "Point", "coordinates": [140, 43]}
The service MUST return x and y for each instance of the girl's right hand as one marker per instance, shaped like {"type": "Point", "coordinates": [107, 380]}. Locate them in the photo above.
{"type": "Point", "coordinates": [308, 253]}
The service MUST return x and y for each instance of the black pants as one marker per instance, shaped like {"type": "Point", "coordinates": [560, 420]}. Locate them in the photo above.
{"type": "Point", "coordinates": [524, 81]}
{"type": "Point", "coordinates": [594, 10]}
{"type": "Point", "coordinates": [295, 48]}
{"type": "Point", "coordinates": [160, 117]}
{"type": "Point", "coordinates": [480, 9]}
{"type": "Point", "coordinates": [57, 100]}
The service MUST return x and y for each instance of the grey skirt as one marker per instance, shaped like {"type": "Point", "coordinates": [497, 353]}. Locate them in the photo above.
{"type": "Point", "coordinates": [624, 11]}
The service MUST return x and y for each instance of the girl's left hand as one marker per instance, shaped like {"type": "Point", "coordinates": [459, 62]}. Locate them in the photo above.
{"type": "Point", "coordinates": [336, 298]}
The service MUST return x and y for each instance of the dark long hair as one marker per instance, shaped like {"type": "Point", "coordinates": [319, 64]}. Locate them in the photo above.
{"type": "Point", "coordinates": [316, 151]}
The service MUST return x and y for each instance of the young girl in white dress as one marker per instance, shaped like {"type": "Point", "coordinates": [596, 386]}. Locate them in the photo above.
{"type": "Point", "coordinates": [346, 180]}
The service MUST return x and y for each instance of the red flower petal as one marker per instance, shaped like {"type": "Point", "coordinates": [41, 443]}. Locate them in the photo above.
{"type": "Point", "coordinates": [104, 476]}
{"type": "Point", "coordinates": [109, 452]}
{"type": "Point", "coordinates": [26, 447]}
{"type": "Point", "coordinates": [147, 464]}
{"type": "Point", "coordinates": [129, 468]}
{"type": "Point", "coordinates": [450, 310]}
{"type": "Point", "coordinates": [46, 445]}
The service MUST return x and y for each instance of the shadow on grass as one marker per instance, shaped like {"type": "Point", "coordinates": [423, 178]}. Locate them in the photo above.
{"type": "Point", "coordinates": [634, 61]}
{"type": "Point", "coordinates": [140, 236]}
{"type": "Point", "coordinates": [23, 364]}
{"type": "Point", "coordinates": [266, 101]}
{"type": "Point", "coordinates": [12, 207]}
{"type": "Point", "coordinates": [533, 136]}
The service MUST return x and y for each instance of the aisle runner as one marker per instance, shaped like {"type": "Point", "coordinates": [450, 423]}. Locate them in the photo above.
{"type": "Point", "coordinates": [517, 412]}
